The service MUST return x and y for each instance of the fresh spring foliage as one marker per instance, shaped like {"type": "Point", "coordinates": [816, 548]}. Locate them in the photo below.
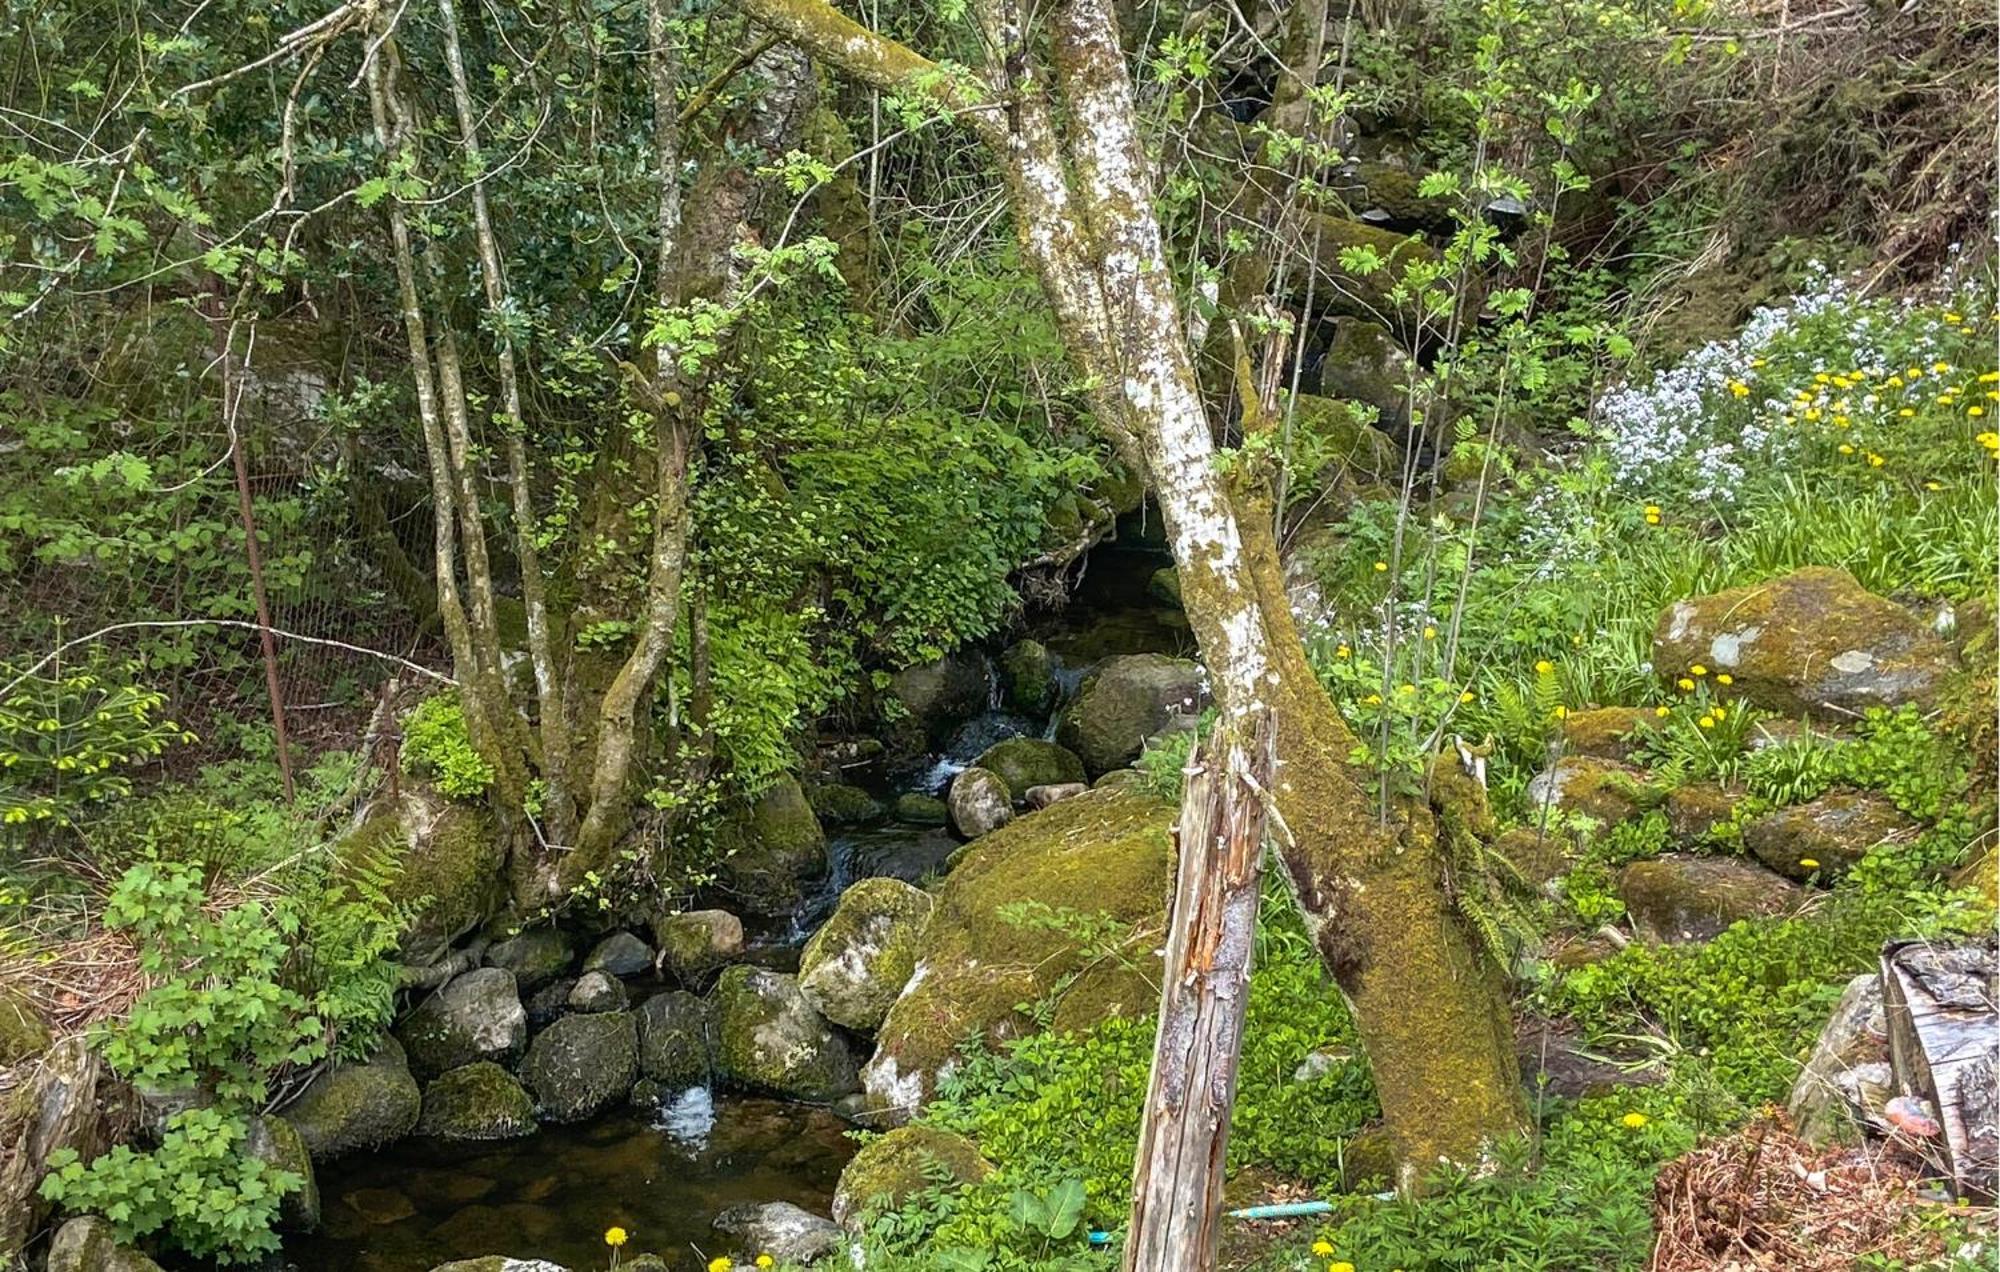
{"type": "Point", "coordinates": [69, 739]}
{"type": "Point", "coordinates": [435, 746]}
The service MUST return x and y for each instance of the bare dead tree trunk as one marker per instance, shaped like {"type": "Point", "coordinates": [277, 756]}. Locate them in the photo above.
{"type": "Point", "coordinates": [1177, 1175]}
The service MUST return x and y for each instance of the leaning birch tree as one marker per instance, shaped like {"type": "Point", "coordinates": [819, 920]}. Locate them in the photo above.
{"type": "Point", "coordinates": [1054, 104]}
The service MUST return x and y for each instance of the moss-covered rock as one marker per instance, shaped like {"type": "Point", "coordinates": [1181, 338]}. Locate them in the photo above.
{"type": "Point", "coordinates": [1355, 453]}
{"type": "Point", "coordinates": [278, 1144]}
{"type": "Point", "coordinates": [1826, 836]}
{"type": "Point", "coordinates": [1028, 678]}
{"type": "Point", "coordinates": [1813, 641]}
{"type": "Point", "coordinates": [1675, 899]}
{"type": "Point", "coordinates": [891, 1167]}
{"type": "Point", "coordinates": [1025, 762]}
{"type": "Point", "coordinates": [921, 810]}
{"type": "Point", "coordinates": [477, 1016]}
{"type": "Point", "coordinates": [479, 1101]}
{"type": "Point", "coordinates": [88, 1244]}
{"type": "Point", "coordinates": [1605, 790]}
{"type": "Point", "coordinates": [693, 943]}
{"type": "Point", "coordinates": [862, 956]}
{"type": "Point", "coordinates": [536, 956]}
{"type": "Point", "coordinates": [1107, 852]}
{"type": "Point", "coordinates": [581, 1065]}
{"type": "Point", "coordinates": [1123, 700]}
{"type": "Point", "coordinates": [1365, 364]}
{"type": "Point", "coordinates": [1696, 809]}
{"type": "Point", "coordinates": [452, 864]}
{"type": "Point", "coordinates": [675, 1035]}
{"type": "Point", "coordinates": [1540, 855]}
{"type": "Point", "coordinates": [1165, 586]}
{"type": "Point", "coordinates": [770, 1038]}
{"type": "Point", "coordinates": [773, 851]}
{"type": "Point", "coordinates": [843, 804]}
{"type": "Point", "coordinates": [357, 1106]}
{"type": "Point", "coordinates": [23, 1034]}
{"type": "Point", "coordinates": [1390, 195]}
{"type": "Point", "coordinates": [1346, 291]}
{"type": "Point", "coordinates": [1603, 732]}
{"type": "Point", "coordinates": [932, 698]}
{"type": "Point", "coordinates": [980, 802]}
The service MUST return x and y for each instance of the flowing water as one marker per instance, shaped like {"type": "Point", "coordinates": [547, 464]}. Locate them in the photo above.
{"type": "Point", "coordinates": [551, 1195]}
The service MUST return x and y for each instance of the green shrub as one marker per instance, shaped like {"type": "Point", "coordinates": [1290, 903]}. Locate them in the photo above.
{"type": "Point", "coordinates": [198, 1190]}
{"type": "Point", "coordinates": [69, 739]}
{"type": "Point", "coordinates": [435, 745]}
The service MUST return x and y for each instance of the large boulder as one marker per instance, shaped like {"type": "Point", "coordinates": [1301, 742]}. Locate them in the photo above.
{"type": "Point", "coordinates": [449, 865]}
{"type": "Point", "coordinates": [1123, 700]}
{"type": "Point", "coordinates": [477, 1016]}
{"type": "Point", "coordinates": [1824, 1097]}
{"type": "Point", "coordinates": [693, 943]}
{"type": "Point", "coordinates": [1605, 790]}
{"type": "Point", "coordinates": [771, 851]}
{"type": "Point", "coordinates": [891, 1167]}
{"type": "Point", "coordinates": [88, 1244]}
{"type": "Point", "coordinates": [770, 1038]}
{"type": "Point", "coordinates": [358, 1106]}
{"type": "Point", "coordinates": [674, 1039]}
{"type": "Point", "coordinates": [1826, 836]}
{"type": "Point", "coordinates": [480, 1101]}
{"type": "Point", "coordinates": [1104, 853]}
{"type": "Point", "coordinates": [582, 1065]}
{"type": "Point", "coordinates": [1026, 762]}
{"type": "Point", "coordinates": [1676, 899]}
{"type": "Point", "coordinates": [980, 802]}
{"type": "Point", "coordinates": [1028, 678]}
{"type": "Point", "coordinates": [789, 1234]}
{"type": "Point", "coordinates": [277, 1143]}
{"type": "Point", "coordinates": [536, 956]}
{"type": "Point", "coordinates": [1813, 641]}
{"type": "Point", "coordinates": [932, 698]}
{"type": "Point", "coordinates": [861, 957]}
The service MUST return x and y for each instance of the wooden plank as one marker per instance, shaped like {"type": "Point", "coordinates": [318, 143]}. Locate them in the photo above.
{"type": "Point", "coordinates": [1943, 1007]}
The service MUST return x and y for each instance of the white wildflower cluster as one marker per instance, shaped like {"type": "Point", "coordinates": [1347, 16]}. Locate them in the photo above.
{"type": "Point", "coordinates": [1669, 434]}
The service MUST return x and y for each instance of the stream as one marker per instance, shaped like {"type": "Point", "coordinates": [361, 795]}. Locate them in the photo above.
{"type": "Point", "coordinates": [665, 1176]}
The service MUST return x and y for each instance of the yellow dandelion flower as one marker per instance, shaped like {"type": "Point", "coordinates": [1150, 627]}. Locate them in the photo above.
{"type": "Point", "coordinates": [1430, 633]}
{"type": "Point", "coordinates": [1706, 722]}
{"type": "Point", "coordinates": [1739, 389]}
{"type": "Point", "coordinates": [1635, 1120]}
{"type": "Point", "coordinates": [1991, 377]}
{"type": "Point", "coordinates": [1652, 518]}
{"type": "Point", "coordinates": [1343, 652]}
{"type": "Point", "coordinates": [1406, 688]}
{"type": "Point", "coordinates": [1687, 686]}
{"type": "Point", "coordinates": [1812, 412]}
{"type": "Point", "coordinates": [1809, 863]}
{"type": "Point", "coordinates": [1342, 1266]}
{"type": "Point", "coordinates": [1381, 566]}
{"type": "Point", "coordinates": [1940, 367]}
{"type": "Point", "coordinates": [1662, 712]}
{"type": "Point", "coordinates": [721, 1263]}
{"type": "Point", "coordinates": [1322, 1248]}
{"type": "Point", "coordinates": [1544, 667]}
{"type": "Point", "coordinates": [1990, 440]}
{"type": "Point", "coordinates": [1466, 696]}
{"type": "Point", "coordinates": [766, 1261]}
{"type": "Point", "coordinates": [1756, 363]}
{"type": "Point", "coordinates": [1893, 382]}
{"type": "Point", "coordinates": [1561, 712]}
{"type": "Point", "coordinates": [1373, 699]}
{"type": "Point", "coordinates": [1821, 378]}
{"type": "Point", "coordinates": [1933, 485]}
{"type": "Point", "coordinates": [1724, 678]}
{"type": "Point", "coordinates": [1954, 319]}
{"type": "Point", "coordinates": [1975, 411]}
{"type": "Point", "coordinates": [1906, 412]}
{"type": "Point", "coordinates": [1697, 670]}
{"type": "Point", "coordinates": [1874, 460]}
{"type": "Point", "coordinates": [1913, 373]}
{"type": "Point", "coordinates": [1652, 510]}
{"type": "Point", "coordinates": [614, 1237]}
{"type": "Point", "coordinates": [1845, 449]}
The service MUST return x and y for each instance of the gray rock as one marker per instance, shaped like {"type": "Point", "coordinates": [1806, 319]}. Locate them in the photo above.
{"type": "Point", "coordinates": [1124, 700]}
{"type": "Point", "coordinates": [582, 1065]}
{"type": "Point", "coordinates": [1602, 789]}
{"type": "Point", "coordinates": [536, 957]}
{"type": "Point", "coordinates": [693, 943]}
{"type": "Point", "coordinates": [477, 1016]}
{"type": "Point", "coordinates": [786, 1232]}
{"type": "Point", "coordinates": [1042, 796]}
{"type": "Point", "coordinates": [478, 1102]}
{"type": "Point", "coordinates": [862, 956]}
{"type": "Point", "coordinates": [501, 1263]}
{"type": "Point", "coordinates": [57, 1107]}
{"type": "Point", "coordinates": [934, 697]}
{"type": "Point", "coordinates": [770, 1038]}
{"type": "Point", "coordinates": [621, 954]}
{"type": "Point", "coordinates": [1677, 900]}
{"type": "Point", "coordinates": [980, 802]}
{"type": "Point", "coordinates": [1857, 1034]}
{"type": "Point", "coordinates": [278, 1144]}
{"type": "Point", "coordinates": [1826, 836]}
{"type": "Point", "coordinates": [674, 1033]}
{"type": "Point", "coordinates": [550, 1003]}
{"type": "Point", "coordinates": [599, 991]}
{"type": "Point", "coordinates": [357, 1106]}
{"type": "Point", "coordinates": [87, 1244]}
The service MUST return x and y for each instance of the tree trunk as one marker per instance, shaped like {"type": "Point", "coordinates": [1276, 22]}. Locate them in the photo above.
{"type": "Point", "coordinates": [1177, 1175]}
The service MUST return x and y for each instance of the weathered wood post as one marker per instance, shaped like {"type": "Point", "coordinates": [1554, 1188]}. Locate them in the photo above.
{"type": "Point", "coordinates": [1205, 986]}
